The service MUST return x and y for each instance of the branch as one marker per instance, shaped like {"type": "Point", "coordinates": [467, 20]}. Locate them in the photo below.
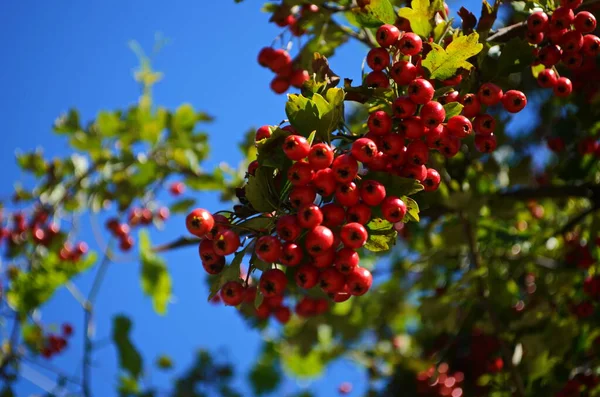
{"type": "Point", "coordinates": [576, 220]}
{"type": "Point", "coordinates": [180, 242]}
{"type": "Point", "coordinates": [496, 323]}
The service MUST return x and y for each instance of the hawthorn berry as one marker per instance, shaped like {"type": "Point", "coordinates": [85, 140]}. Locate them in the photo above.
{"type": "Point", "coordinates": [571, 41]}
{"type": "Point", "coordinates": [484, 124]}
{"type": "Point", "coordinates": [432, 181]}
{"type": "Point", "coordinates": [333, 215]}
{"type": "Point", "coordinates": [263, 132]}
{"type": "Point", "coordinates": [300, 173]}
{"type": "Point", "coordinates": [378, 59]}
{"type": "Point", "coordinates": [232, 293]}
{"type": "Point", "coordinates": [490, 94]}
{"type": "Point", "coordinates": [221, 223]}
{"type": "Point", "coordinates": [417, 152]}
{"type": "Point", "coordinates": [410, 44]}
{"type": "Point", "coordinates": [198, 222]}
{"type": "Point", "coordinates": [302, 195]}
{"type": "Point", "coordinates": [331, 280]}
{"type": "Point", "coordinates": [296, 147]}
{"type": "Point", "coordinates": [353, 235]}
{"type": "Point", "coordinates": [514, 101]}
{"type": "Point", "coordinates": [288, 228]}
{"type": "Point", "coordinates": [283, 314]}
{"type": "Point", "coordinates": [403, 107]}
{"type": "Point", "coordinates": [347, 194]}
{"type": "Point", "coordinates": [471, 104]}
{"type": "Point", "coordinates": [324, 259]}
{"type": "Point", "coordinates": [393, 209]}
{"type": "Point", "coordinates": [485, 143]}
{"type": "Point", "coordinates": [280, 84]}
{"type": "Point", "coordinates": [272, 283]}
{"type": "Point", "coordinates": [298, 77]}
{"type": "Point", "coordinates": [359, 281]}
{"type": "Point", "coordinates": [563, 87]}
{"type": "Point", "coordinates": [387, 35]}
{"type": "Point", "coordinates": [537, 22]}
{"type": "Point", "coordinates": [319, 240]}
{"type": "Point", "coordinates": [226, 242]}
{"type": "Point", "coordinates": [562, 18]}
{"type": "Point", "coordinates": [291, 254]}
{"type": "Point", "coordinates": [268, 249]}
{"type": "Point", "coordinates": [364, 149]}
{"type": "Point", "coordinates": [459, 126]}
{"type": "Point", "coordinates": [252, 167]}
{"type": "Point", "coordinates": [309, 216]}
{"type": "Point", "coordinates": [281, 61]}
{"type": "Point", "coordinates": [307, 276]}
{"type": "Point", "coordinates": [584, 22]}
{"type": "Point", "coordinates": [432, 114]}
{"type": "Point", "coordinates": [591, 45]}
{"type": "Point", "coordinates": [403, 72]}
{"type": "Point", "coordinates": [379, 123]}
{"type": "Point", "coordinates": [372, 192]}
{"type": "Point", "coordinates": [392, 144]}
{"type": "Point", "coordinates": [547, 78]}
{"type": "Point", "coordinates": [412, 127]}
{"type": "Point", "coordinates": [345, 168]}
{"type": "Point", "coordinates": [420, 91]}
{"type": "Point", "coordinates": [320, 156]}
{"type": "Point", "coordinates": [265, 56]}
{"type": "Point", "coordinates": [377, 79]}
{"type": "Point", "coordinates": [214, 267]}
{"type": "Point", "coordinates": [325, 182]}
{"type": "Point", "coordinates": [418, 172]}
{"type": "Point", "coordinates": [346, 259]}
{"type": "Point", "coordinates": [359, 213]}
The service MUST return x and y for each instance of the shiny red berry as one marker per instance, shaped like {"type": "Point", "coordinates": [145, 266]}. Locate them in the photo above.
{"type": "Point", "coordinates": [353, 235]}
{"type": "Point", "coordinates": [432, 114]}
{"type": "Point", "coordinates": [309, 216]}
{"type": "Point", "coordinates": [296, 147]}
{"type": "Point", "coordinates": [199, 222]}
{"type": "Point", "coordinates": [347, 194]}
{"type": "Point", "coordinates": [379, 123]}
{"type": "Point", "coordinates": [318, 240]}
{"type": "Point", "coordinates": [432, 181]}
{"type": "Point", "coordinates": [359, 213]}
{"type": "Point", "coordinates": [514, 101]}
{"type": "Point", "coordinates": [387, 35]}
{"type": "Point", "coordinates": [268, 249]}
{"type": "Point", "coordinates": [393, 209]}
{"type": "Point", "coordinates": [263, 132]}
{"type": "Point", "coordinates": [345, 168]}
{"type": "Point", "coordinates": [485, 143]}
{"type": "Point", "coordinates": [459, 126]}
{"type": "Point", "coordinates": [364, 149]}
{"type": "Point", "coordinates": [291, 254]}
{"type": "Point", "coordinates": [410, 44]}
{"type": "Point", "coordinates": [232, 293]}
{"type": "Point", "coordinates": [378, 59]}
{"type": "Point", "coordinates": [307, 276]}
{"type": "Point", "coordinates": [333, 215]}
{"type": "Point", "coordinates": [320, 156]}
{"type": "Point", "coordinates": [372, 192]}
{"type": "Point", "coordinates": [537, 22]}
{"type": "Point", "coordinates": [331, 280]}
{"type": "Point", "coordinates": [403, 72]}
{"type": "Point", "coordinates": [359, 281]}
{"type": "Point", "coordinates": [490, 94]}
{"type": "Point", "coordinates": [420, 91]}
{"type": "Point", "coordinates": [272, 283]}
{"type": "Point", "coordinates": [484, 124]}
{"type": "Point", "coordinates": [226, 242]}
{"type": "Point", "coordinates": [324, 182]}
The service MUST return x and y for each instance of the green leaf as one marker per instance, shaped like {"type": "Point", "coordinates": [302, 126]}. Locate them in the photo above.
{"type": "Point", "coordinates": [258, 223]}
{"type": "Point", "coordinates": [270, 150]}
{"type": "Point", "coordinates": [379, 226]}
{"type": "Point", "coordinates": [184, 117]}
{"type": "Point", "coordinates": [396, 185]}
{"type": "Point", "coordinates": [444, 63]}
{"type": "Point", "coordinates": [33, 162]}
{"type": "Point", "coordinates": [319, 113]}
{"type": "Point", "coordinates": [108, 124]}
{"type": "Point", "coordinates": [129, 358]}
{"type": "Point", "coordinates": [67, 123]}
{"type": "Point", "coordinates": [375, 14]}
{"type": "Point", "coordinates": [206, 182]}
{"type": "Point", "coordinates": [453, 109]}
{"type": "Point", "coordinates": [128, 386]}
{"type": "Point", "coordinates": [230, 273]}
{"type": "Point", "coordinates": [182, 206]}
{"type": "Point", "coordinates": [302, 366]}
{"type": "Point", "coordinates": [381, 242]}
{"type": "Point", "coordinates": [412, 209]}
{"type": "Point", "coordinates": [259, 190]}
{"type": "Point", "coordinates": [265, 375]}
{"type": "Point", "coordinates": [515, 57]}
{"type": "Point", "coordinates": [419, 14]}
{"type": "Point", "coordinates": [155, 278]}
{"type": "Point", "coordinates": [164, 362]}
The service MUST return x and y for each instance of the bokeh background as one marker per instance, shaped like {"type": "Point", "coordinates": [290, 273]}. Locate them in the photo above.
{"type": "Point", "coordinates": [62, 54]}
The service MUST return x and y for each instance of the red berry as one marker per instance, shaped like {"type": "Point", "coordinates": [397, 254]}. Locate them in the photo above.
{"type": "Point", "coordinates": [226, 242]}
{"type": "Point", "coordinates": [163, 213]}
{"type": "Point", "coordinates": [299, 76]}
{"type": "Point", "coordinates": [353, 235]}
{"type": "Point", "coordinates": [252, 167]}
{"type": "Point", "coordinates": [331, 280]}
{"type": "Point", "coordinates": [263, 132]}
{"type": "Point", "coordinates": [485, 143]}
{"type": "Point", "coordinates": [449, 97]}
{"type": "Point", "coordinates": [403, 72]}
{"type": "Point", "coordinates": [320, 156]}
{"type": "Point", "coordinates": [563, 87]}
{"type": "Point", "coordinates": [393, 209]}
{"type": "Point", "coordinates": [346, 259]}
{"type": "Point", "coordinates": [291, 254]}
{"type": "Point", "coordinates": [221, 223]}
{"type": "Point", "coordinates": [67, 329]}
{"type": "Point", "coordinates": [387, 35]}
{"type": "Point", "coordinates": [484, 124]}
{"type": "Point", "coordinates": [263, 311]}
{"type": "Point", "coordinates": [288, 228]}
{"type": "Point", "coordinates": [333, 215]}
{"type": "Point", "coordinates": [372, 192]}
{"type": "Point", "coordinates": [281, 61]}
{"type": "Point", "coordinates": [572, 4]}
{"type": "Point", "coordinates": [359, 281]}
{"type": "Point", "coordinates": [490, 94]}
{"type": "Point", "coordinates": [232, 293]}
{"type": "Point", "coordinates": [319, 240]}
{"type": "Point", "coordinates": [177, 188]}
{"type": "Point", "coordinates": [514, 101]}
{"type": "Point", "coordinates": [280, 84]}
{"type": "Point", "coordinates": [199, 222]}
{"type": "Point", "coordinates": [403, 107]}
{"type": "Point", "coordinates": [554, 35]}
{"type": "Point", "coordinates": [418, 172]}
{"type": "Point", "coordinates": [310, 216]}
{"type": "Point", "coordinates": [265, 56]}
{"type": "Point", "coordinates": [364, 149]}
{"type": "Point", "coordinates": [412, 127]}
{"type": "Point", "coordinates": [347, 194]}
{"type": "Point", "coordinates": [432, 114]}
{"type": "Point", "coordinates": [302, 195]}
{"type": "Point", "coordinates": [585, 22]}
{"type": "Point", "coordinates": [379, 123]}
{"type": "Point", "coordinates": [432, 181]}
{"type": "Point", "coordinates": [324, 182]}
{"type": "Point", "coordinates": [378, 59]}
{"type": "Point", "coordinates": [591, 45]}
{"type": "Point", "coordinates": [296, 147]}
{"type": "Point", "coordinates": [459, 126]}
{"type": "Point", "coordinates": [359, 213]}
{"type": "Point", "coordinates": [537, 22]}
{"type": "Point", "coordinates": [471, 104]}
{"type": "Point", "coordinates": [324, 259]}
{"type": "Point", "coordinates": [377, 80]}
{"type": "Point", "coordinates": [392, 144]}
{"type": "Point", "coordinates": [547, 78]}
{"type": "Point", "coordinates": [300, 173]}
{"type": "Point", "coordinates": [283, 314]}
{"type": "Point", "coordinates": [572, 60]}
{"type": "Point", "coordinates": [307, 276]}
{"type": "Point", "coordinates": [345, 168]}
{"type": "Point", "coordinates": [417, 152]}
{"type": "Point", "coordinates": [420, 91]}
{"type": "Point", "coordinates": [410, 44]}
{"type": "Point", "coordinates": [571, 41]}
{"type": "Point", "coordinates": [214, 267]}
{"type": "Point", "coordinates": [273, 302]}
{"type": "Point", "coordinates": [268, 249]}
{"type": "Point", "coordinates": [534, 37]}
{"type": "Point", "coordinates": [562, 18]}
{"type": "Point", "coordinates": [272, 283]}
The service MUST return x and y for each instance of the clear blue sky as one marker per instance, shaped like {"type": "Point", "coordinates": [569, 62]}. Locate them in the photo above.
{"type": "Point", "coordinates": [62, 54]}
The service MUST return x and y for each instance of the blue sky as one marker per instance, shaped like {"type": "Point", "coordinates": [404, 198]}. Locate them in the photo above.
{"type": "Point", "coordinates": [60, 54]}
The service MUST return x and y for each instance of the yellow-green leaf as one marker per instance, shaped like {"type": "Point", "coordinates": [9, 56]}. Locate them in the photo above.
{"type": "Point", "coordinates": [444, 63]}
{"type": "Point", "coordinates": [419, 14]}
{"type": "Point", "coordinates": [156, 280]}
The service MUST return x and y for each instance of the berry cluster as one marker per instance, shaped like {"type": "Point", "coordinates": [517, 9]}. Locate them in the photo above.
{"type": "Point", "coordinates": [416, 115]}
{"type": "Point", "coordinates": [440, 382]}
{"type": "Point", "coordinates": [55, 344]}
{"type": "Point", "coordinates": [286, 73]}
{"type": "Point", "coordinates": [564, 37]}
{"type": "Point", "coordinates": [137, 217]}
